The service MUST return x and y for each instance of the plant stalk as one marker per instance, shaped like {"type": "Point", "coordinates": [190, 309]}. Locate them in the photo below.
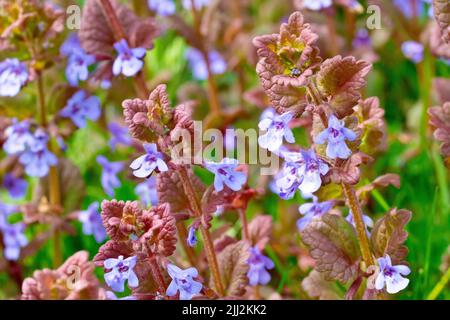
{"type": "Point", "coordinates": [208, 243]}
{"type": "Point", "coordinates": [245, 232]}
{"type": "Point", "coordinates": [53, 178]}
{"type": "Point", "coordinates": [355, 207]}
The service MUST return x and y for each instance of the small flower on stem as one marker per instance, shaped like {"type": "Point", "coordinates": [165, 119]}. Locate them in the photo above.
{"type": "Point", "coordinates": [258, 266]}
{"type": "Point", "coordinates": [109, 178]}
{"type": "Point", "coordinates": [147, 163]}
{"type": "Point", "coordinates": [413, 51]}
{"type": "Point", "coordinates": [391, 276]}
{"type": "Point", "coordinates": [183, 282]}
{"type": "Point", "coordinates": [335, 135]}
{"type": "Point", "coordinates": [16, 187]}
{"type": "Point", "coordinates": [119, 135]}
{"type": "Point", "coordinates": [147, 192]}
{"type": "Point", "coordinates": [312, 210]}
{"type": "Point", "coordinates": [80, 107]}
{"type": "Point", "coordinates": [198, 4]}
{"type": "Point", "coordinates": [121, 270]}
{"type": "Point", "coordinates": [225, 173]}
{"type": "Point", "coordinates": [37, 159]}
{"type": "Point", "coordinates": [198, 65]}
{"type": "Point", "coordinates": [78, 67]}
{"type": "Point", "coordinates": [317, 5]}
{"type": "Point", "coordinates": [192, 238]}
{"type": "Point", "coordinates": [302, 170]}
{"type": "Point", "coordinates": [18, 137]}
{"type": "Point", "coordinates": [129, 61]}
{"type": "Point", "coordinates": [277, 128]}
{"type": "Point", "coordinates": [92, 222]}
{"type": "Point", "coordinates": [162, 7]}
{"type": "Point", "coordinates": [13, 238]}
{"type": "Point", "coordinates": [13, 75]}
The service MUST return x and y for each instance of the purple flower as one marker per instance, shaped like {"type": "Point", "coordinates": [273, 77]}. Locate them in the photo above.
{"type": "Point", "coordinates": [147, 191]}
{"type": "Point", "coordinates": [187, 4]}
{"type": "Point", "coordinates": [119, 135]}
{"type": "Point", "coordinates": [92, 222]}
{"type": "Point", "coordinates": [71, 45]}
{"type": "Point", "coordinates": [277, 128]}
{"type": "Point", "coordinates": [162, 7]}
{"type": "Point", "coordinates": [391, 276]}
{"type": "Point", "coordinates": [225, 173]}
{"type": "Point", "coordinates": [13, 75]}
{"type": "Point", "coordinates": [410, 8]}
{"type": "Point", "coordinates": [37, 159]}
{"type": "Point", "coordinates": [121, 270]}
{"type": "Point", "coordinates": [19, 137]}
{"type": "Point", "coordinates": [368, 222]}
{"type": "Point", "coordinates": [16, 187]}
{"type": "Point", "coordinates": [301, 171]}
{"type": "Point", "coordinates": [362, 39]}
{"type": "Point", "coordinates": [13, 239]}
{"type": "Point", "coordinates": [312, 210]}
{"type": "Point", "coordinates": [5, 211]}
{"type": "Point", "coordinates": [77, 66]}
{"type": "Point", "coordinates": [258, 266]}
{"type": "Point", "coordinates": [109, 295]}
{"type": "Point", "coordinates": [128, 61]}
{"type": "Point", "coordinates": [109, 179]}
{"type": "Point", "coordinates": [317, 4]}
{"type": "Point", "coordinates": [80, 107]}
{"type": "Point", "coordinates": [335, 135]}
{"type": "Point", "coordinates": [413, 51]}
{"type": "Point", "coordinates": [198, 66]}
{"type": "Point", "coordinates": [147, 163]}
{"type": "Point", "coordinates": [192, 238]}
{"type": "Point", "coordinates": [183, 282]}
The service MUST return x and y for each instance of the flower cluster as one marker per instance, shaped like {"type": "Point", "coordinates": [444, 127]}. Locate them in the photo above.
{"type": "Point", "coordinates": [32, 148]}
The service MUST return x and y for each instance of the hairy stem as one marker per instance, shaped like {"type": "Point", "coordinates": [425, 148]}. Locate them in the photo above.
{"type": "Point", "coordinates": [119, 33]}
{"type": "Point", "coordinates": [189, 251]}
{"type": "Point", "coordinates": [157, 275]}
{"type": "Point", "coordinates": [245, 233]}
{"type": "Point", "coordinates": [355, 207]}
{"type": "Point", "coordinates": [208, 243]}
{"type": "Point", "coordinates": [53, 178]}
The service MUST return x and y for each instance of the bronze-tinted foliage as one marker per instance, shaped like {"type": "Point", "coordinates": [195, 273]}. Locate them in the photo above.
{"type": "Point", "coordinates": [120, 218]}
{"type": "Point", "coordinates": [334, 247]}
{"type": "Point", "coordinates": [41, 19]}
{"type": "Point", "coordinates": [287, 62]}
{"type": "Point", "coordinates": [317, 287]}
{"type": "Point", "coordinates": [442, 13]}
{"type": "Point", "coordinates": [260, 230]}
{"type": "Point", "coordinates": [438, 46]}
{"type": "Point", "coordinates": [440, 119]}
{"type": "Point", "coordinates": [146, 118]}
{"type": "Point", "coordinates": [339, 82]}
{"type": "Point", "coordinates": [170, 189]}
{"type": "Point", "coordinates": [154, 118]}
{"type": "Point", "coordinates": [388, 235]}
{"type": "Point", "coordinates": [233, 268]}
{"type": "Point", "coordinates": [372, 124]}
{"type": "Point", "coordinates": [97, 37]}
{"type": "Point", "coordinates": [74, 280]}
{"type": "Point", "coordinates": [160, 230]}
